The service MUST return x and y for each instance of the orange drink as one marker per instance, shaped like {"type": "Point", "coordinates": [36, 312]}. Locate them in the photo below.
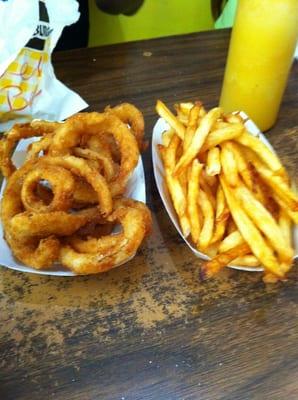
{"type": "Point", "coordinates": [260, 56]}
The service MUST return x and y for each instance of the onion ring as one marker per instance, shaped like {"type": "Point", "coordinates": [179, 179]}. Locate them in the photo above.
{"type": "Point", "coordinates": [44, 127]}
{"type": "Point", "coordinates": [87, 162]}
{"type": "Point", "coordinates": [23, 131]}
{"type": "Point", "coordinates": [111, 250]}
{"type": "Point", "coordinates": [18, 132]}
{"type": "Point", "coordinates": [126, 202]}
{"type": "Point", "coordinates": [7, 144]}
{"type": "Point", "coordinates": [38, 225]}
{"type": "Point", "coordinates": [11, 203]}
{"type": "Point", "coordinates": [96, 228]}
{"type": "Point", "coordinates": [107, 244]}
{"type": "Point", "coordinates": [81, 125]}
{"type": "Point", "coordinates": [130, 115]}
{"type": "Point", "coordinates": [43, 145]}
{"type": "Point", "coordinates": [84, 195]}
{"type": "Point", "coordinates": [30, 224]}
{"type": "Point", "coordinates": [80, 167]}
{"type": "Point", "coordinates": [39, 254]}
{"type": "Point", "coordinates": [62, 183]}
{"type": "Point", "coordinates": [30, 235]}
{"type": "Point", "coordinates": [106, 146]}
{"type": "Point", "coordinates": [106, 163]}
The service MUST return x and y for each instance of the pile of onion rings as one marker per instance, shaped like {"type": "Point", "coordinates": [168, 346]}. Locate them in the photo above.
{"type": "Point", "coordinates": [65, 203]}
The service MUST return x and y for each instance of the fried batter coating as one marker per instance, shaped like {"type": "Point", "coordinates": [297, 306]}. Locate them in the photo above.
{"type": "Point", "coordinates": [69, 135]}
{"type": "Point", "coordinates": [63, 204]}
{"type": "Point", "coordinates": [111, 250]}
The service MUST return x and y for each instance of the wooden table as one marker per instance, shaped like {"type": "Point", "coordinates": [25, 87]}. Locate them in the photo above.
{"type": "Point", "coordinates": [150, 329]}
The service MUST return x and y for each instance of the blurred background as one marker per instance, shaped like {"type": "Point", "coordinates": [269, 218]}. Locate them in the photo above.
{"type": "Point", "coordinates": [155, 18]}
{"type": "Point", "coordinates": [114, 21]}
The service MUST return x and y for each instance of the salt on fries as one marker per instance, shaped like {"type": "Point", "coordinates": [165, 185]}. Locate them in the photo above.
{"type": "Point", "coordinates": [231, 193]}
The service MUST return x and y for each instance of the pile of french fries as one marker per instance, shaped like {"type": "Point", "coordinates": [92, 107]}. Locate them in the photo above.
{"type": "Point", "coordinates": [231, 193]}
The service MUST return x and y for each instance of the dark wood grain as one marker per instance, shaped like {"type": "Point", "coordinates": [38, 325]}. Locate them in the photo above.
{"type": "Point", "coordinates": [150, 329]}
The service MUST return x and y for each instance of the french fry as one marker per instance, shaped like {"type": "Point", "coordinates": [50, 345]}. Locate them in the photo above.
{"type": "Point", "coordinates": [175, 189]}
{"type": "Point", "coordinates": [278, 185]}
{"type": "Point", "coordinates": [257, 146]}
{"type": "Point", "coordinates": [210, 181]}
{"type": "Point", "coordinates": [167, 136]}
{"type": "Point", "coordinates": [229, 165]}
{"type": "Point", "coordinates": [181, 116]}
{"type": "Point", "coordinates": [198, 139]}
{"type": "Point", "coordinates": [285, 225]}
{"type": "Point", "coordinates": [212, 250]}
{"type": "Point", "coordinates": [192, 200]}
{"type": "Point", "coordinates": [234, 118]}
{"type": "Point", "coordinates": [231, 226]}
{"type": "Point", "coordinates": [162, 152]}
{"type": "Point", "coordinates": [272, 207]}
{"type": "Point", "coordinates": [178, 191]}
{"type": "Point", "coordinates": [259, 188]}
{"type": "Point", "coordinates": [183, 180]}
{"type": "Point", "coordinates": [186, 107]}
{"type": "Point", "coordinates": [250, 233]}
{"type": "Point", "coordinates": [293, 215]}
{"type": "Point", "coordinates": [171, 152]}
{"type": "Point", "coordinates": [163, 111]}
{"type": "Point", "coordinates": [184, 177]}
{"type": "Point", "coordinates": [242, 165]}
{"type": "Point", "coordinates": [177, 195]}
{"type": "Point", "coordinates": [246, 261]}
{"type": "Point", "coordinates": [206, 185]}
{"type": "Point", "coordinates": [208, 224]}
{"type": "Point", "coordinates": [213, 166]}
{"type": "Point", "coordinates": [269, 277]}
{"type": "Point", "coordinates": [179, 202]}
{"type": "Point", "coordinates": [212, 267]}
{"type": "Point", "coordinates": [202, 157]}
{"type": "Point", "coordinates": [185, 225]}
{"type": "Point", "coordinates": [179, 151]}
{"type": "Point", "coordinates": [203, 112]}
{"type": "Point", "coordinates": [265, 222]}
{"type": "Point", "coordinates": [221, 135]}
{"type": "Point", "coordinates": [221, 217]}
{"type": "Point", "coordinates": [230, 241]}
{"type": "Point", "coordinates": [219, 124]}
{"type": "Point", "coordinates": [192, 125]}
{"type": "Point", "coordinates": [229, 190]}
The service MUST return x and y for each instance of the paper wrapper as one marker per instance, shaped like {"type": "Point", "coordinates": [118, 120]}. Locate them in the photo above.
{"type": "Point", "coordinates": [161, 126]}
{"type": "Point", "coordinates": [135, 190]}
{"type": "Point", "coordinates": [29, 31]}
